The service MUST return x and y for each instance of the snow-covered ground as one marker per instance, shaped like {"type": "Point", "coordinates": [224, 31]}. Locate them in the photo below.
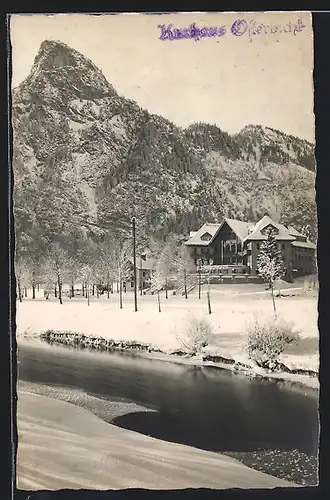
{"type": "Point", "coordinates": [229, 319]}
{"type": "Point", "coordinates": [63, 446]}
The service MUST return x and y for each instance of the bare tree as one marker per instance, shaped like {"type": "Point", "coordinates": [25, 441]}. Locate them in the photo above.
{"type": "Point", "coordinates": [165, 254]}
{"type": "Point", "coordinates": [199, 271]}
{"type": "Point", "coordinates": [87, 276]}
{"type": "Point", "coordinates": [185, 269]}
{"type": "Point", "coordinates": [48, 275]}
{"type": "Point", "coordinates": [107, 263]}
{"type": "Point", "coordinates": [73, 266]}
{"type": "Point", "coordinates": [121, 260]}
{"type": "Point", "coordinates": [57, 259]}
{"type": "Point", "coordinates": [207, 270]}
{"type": "Point", "coordinates": [158, 279]}
{"type": "Point", "coordinates": [20, 272]}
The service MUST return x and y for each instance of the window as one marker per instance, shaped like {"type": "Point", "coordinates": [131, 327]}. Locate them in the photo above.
{"type": "Point", "coordinates": [132, 284]}
{"type": "Point", "coordinates": [269, 227]}
{"type": "Point", "coordinates": [258, 246]}
{"type": "Point", "coordinates": [283, 246]}
{"type": "Point", "coordinates": [239, 247]}
{"type": "Point", "coordinates": [206, 237]}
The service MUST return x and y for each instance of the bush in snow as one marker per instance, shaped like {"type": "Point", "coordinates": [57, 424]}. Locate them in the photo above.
{"type": "Point", "coordinates": [195, 336]}
{"type": "Point", "coordinates": [268, 339]}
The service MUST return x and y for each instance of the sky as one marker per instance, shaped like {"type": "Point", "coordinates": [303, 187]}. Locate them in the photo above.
{"type": "Point", "coordinates": [231, 81]}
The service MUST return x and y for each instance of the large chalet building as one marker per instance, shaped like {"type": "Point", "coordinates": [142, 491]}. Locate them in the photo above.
{"type": "Point", "coordinates": [234, 245]}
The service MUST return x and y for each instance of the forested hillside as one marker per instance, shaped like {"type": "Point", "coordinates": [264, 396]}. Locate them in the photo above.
{"type": "Point", "coordinates": [86, 160]}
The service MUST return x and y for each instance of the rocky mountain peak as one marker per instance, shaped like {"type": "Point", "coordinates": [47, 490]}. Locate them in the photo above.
{"type": "Point", "coordinates": [53, 54]}
{"type": "Point", "coordinates": [60, 67]}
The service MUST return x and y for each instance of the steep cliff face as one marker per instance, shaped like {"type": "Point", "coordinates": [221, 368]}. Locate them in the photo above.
{"type": "Point", "coordinates": [84, 155]}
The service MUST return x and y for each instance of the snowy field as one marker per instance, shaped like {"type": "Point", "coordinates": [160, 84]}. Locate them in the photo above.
{"type": "Point", "coordinates": [63, 446]}
{"type": "Point", "coordinates": [229, 319]}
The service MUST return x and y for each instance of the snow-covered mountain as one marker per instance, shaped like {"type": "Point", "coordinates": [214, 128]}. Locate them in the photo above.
{"type": "Point", "coordinates": [85, 156]}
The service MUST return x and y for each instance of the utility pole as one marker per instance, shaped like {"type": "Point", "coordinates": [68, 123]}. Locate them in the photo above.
{"type": "Point", "coordinates": [141, 276]}
{"type": "Point", "coordinates": [134, 265]}
{"type": "Point", "coordinates": [199, 278]}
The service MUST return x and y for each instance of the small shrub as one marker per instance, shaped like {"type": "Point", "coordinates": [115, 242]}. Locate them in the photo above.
{"type": "Point", "coordinates": [195, 337]}
{"type": "Point", "coordinates": [268, 339]}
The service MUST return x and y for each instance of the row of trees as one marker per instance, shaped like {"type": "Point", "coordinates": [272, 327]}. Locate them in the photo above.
{"type": "Point", "coordinates": [97, 265]}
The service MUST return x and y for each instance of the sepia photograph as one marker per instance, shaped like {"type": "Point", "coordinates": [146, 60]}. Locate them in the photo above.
{"type": "Point", "coordinates": [165, 250]}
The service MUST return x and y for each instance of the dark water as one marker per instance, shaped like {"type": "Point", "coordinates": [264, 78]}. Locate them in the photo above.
{"type": "Point", "coordinates": [267, 425]}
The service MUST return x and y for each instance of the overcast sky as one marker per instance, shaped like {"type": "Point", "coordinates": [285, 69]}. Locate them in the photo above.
{"type": "Point", "coordinates": [229, 80]}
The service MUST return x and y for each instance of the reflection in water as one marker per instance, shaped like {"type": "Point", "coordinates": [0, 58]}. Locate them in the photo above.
{"type": "Point", "coordinates": [199, 406]}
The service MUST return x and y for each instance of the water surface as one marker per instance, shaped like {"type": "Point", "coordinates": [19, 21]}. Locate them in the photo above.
{"type": "Point", "coordinates": [266, 424]}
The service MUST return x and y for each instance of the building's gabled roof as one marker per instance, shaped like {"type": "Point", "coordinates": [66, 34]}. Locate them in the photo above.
{"type": "Point", "coordinates": [247, 231]}
{"type": "Point", "coordinates": [256, 234]}
{"type": "Point", "coordinates": [304, 244]}
{"type": "Point", "coordinates": [241, 228]}
{"type": "Point", "coordinates": [294, 232]}
{"type": "Point", "coordinates": [196, 240]}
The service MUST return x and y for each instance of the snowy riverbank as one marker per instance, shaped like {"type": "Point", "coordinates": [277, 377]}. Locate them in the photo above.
{"type": "Point", "coordinates": [64, 446]}
{"type": "Point", "coordinates": [154, 334]}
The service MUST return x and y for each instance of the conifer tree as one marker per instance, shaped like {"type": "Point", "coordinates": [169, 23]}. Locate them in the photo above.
{"type": "Point", "coordinates": [270, 264]}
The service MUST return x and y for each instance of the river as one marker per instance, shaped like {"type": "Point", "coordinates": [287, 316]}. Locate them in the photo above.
{"type": "Point", "coordinates": [268, 425]}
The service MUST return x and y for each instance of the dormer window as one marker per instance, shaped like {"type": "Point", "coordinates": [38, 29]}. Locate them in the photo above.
{"type": "Point", "coordinates": [206, 237]}
{"type": "Point", "coordinates": [269, 228]}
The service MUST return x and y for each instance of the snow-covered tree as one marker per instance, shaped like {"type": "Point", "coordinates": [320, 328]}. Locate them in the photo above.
{"type": "Point", "coordinates": [87, 276]}
{"type": "Point", "coordinates": [21, 273]}
{"type": "Point", "coordinates": [121, 261]}
{"type": "Point", "coordinates": [55, 267]}
{"type": "Point", "coordinates": [185, 268]}
{"type": "Point", "coordinates": [206, 269]}
{"type": "Point", "coordinates": [270, 263]}
{"type": "Point", "coordinates": [48, 275]}
{"type": "Point", "coordinates": [158, 280]}
{"type": "Point", "coordinates": [167, 261]}
{"type": "Point", "coordinates": [108, 263]}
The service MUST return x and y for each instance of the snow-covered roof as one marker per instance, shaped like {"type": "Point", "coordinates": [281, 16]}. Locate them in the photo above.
{"type": "Point", "coordinates": [241, 228]}
{"type": "Point", "coordinates": [304, 244]}
{"type": "Point", "coordinates": [247, 231]}
{"type": "Point", "coordinates": [282, 232]}
{"type": "Point", "coordinates": [294, 232]}
{"type": "Point", "coordinates": [207, 228]}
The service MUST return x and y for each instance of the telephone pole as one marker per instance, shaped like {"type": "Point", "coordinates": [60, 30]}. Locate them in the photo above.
{"type": "Point", "coordinates": [199, 269]}
{"type": "Point", "coordinates": [134, 265]}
